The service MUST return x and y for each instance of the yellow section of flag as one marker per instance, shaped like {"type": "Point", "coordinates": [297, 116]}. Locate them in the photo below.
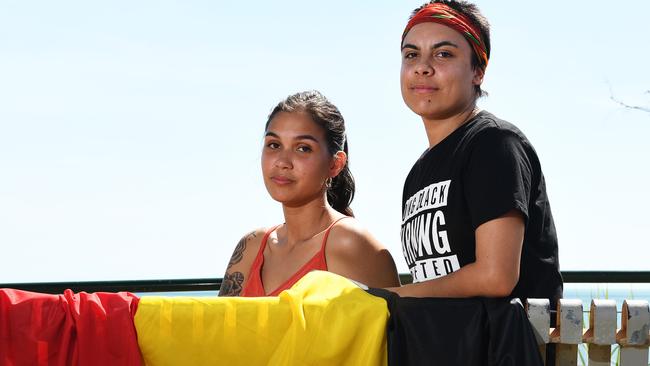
{"type": "Point", "coordinates": [324, 319]}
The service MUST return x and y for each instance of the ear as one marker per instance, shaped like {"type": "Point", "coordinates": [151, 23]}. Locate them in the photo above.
{"type": "Point", "coordinates": [338, 163]}
{"type": "Point", "coordinates": [479, 73]}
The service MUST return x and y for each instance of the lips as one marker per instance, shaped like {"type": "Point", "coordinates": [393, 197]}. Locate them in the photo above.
{"type": "Point", "coordinates": [423, 89]}
{"type": "Point", "coordinates": [281, 180]}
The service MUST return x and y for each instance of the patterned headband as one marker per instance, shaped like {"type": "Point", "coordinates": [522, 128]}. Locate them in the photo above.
{"type": "Point", "coordinates": [445, 15]}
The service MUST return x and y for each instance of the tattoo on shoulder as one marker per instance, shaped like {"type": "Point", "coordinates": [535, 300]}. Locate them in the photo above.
{"type": "Point", "coordinates": [231, 285]}
{"type": "Point", "coordinates": [238, 254]}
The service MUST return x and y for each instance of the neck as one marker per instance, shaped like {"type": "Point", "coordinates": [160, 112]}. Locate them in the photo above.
{"type": "Point", "coordinates": [306, 221]}
{"type": "Point", "coordinates": [439, 129]}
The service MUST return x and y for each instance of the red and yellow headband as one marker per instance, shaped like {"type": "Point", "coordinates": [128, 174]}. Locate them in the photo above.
{"type": "Point", "coordinates": [446, 15]}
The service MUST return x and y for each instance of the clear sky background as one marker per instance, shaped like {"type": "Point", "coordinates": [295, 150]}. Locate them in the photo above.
{"type": "Point", "coordinates": [130, 132]}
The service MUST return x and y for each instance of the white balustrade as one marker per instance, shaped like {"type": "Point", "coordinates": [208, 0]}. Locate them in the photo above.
{"type": "Point", "coordinates": [633, 338]}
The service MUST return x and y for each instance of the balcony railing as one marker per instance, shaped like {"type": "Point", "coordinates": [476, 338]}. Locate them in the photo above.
{"type": "Point", "coordinates": [603, 337]}
{"type": "Point", "coordinates": [213, 284]}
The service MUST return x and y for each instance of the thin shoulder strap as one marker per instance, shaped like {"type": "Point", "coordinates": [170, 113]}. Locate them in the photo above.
{"type": "Point", "coordinates": [327, 232]}
{"type": "Point", "coordinates": [260, 252]}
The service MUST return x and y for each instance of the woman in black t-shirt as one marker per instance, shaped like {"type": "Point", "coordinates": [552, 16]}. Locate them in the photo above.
{"type": "Point", "coordinates": [476, 217]}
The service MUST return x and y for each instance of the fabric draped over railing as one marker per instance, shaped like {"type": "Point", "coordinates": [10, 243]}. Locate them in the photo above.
{"type": "Point", "coordinates": [324, 319]}
{"type": "Point", "coordinates": [70, 329]}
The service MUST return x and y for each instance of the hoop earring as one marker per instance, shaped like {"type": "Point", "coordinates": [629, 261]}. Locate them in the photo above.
{"type": "Point", "coordinates": [328, 183]}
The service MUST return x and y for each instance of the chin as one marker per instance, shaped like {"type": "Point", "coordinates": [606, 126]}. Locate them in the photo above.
{"type": "Point", "coordinates": [427, 112]}
{"type": "Point", "coordinates": [436, 112]}
{"type": "Point", "coordinates": [282, 198]}
{"type": "Point", "coordinates": [275, 195]}
{"type": "Point", "coordinates": [423, 107]}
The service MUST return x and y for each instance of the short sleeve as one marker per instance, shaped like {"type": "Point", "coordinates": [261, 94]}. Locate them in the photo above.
{"type": "Point", "coordinates": [497, 176]}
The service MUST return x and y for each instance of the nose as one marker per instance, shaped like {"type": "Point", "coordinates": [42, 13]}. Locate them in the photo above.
{"type": "Point", "coordinates": [283, 161]}
{"type": "Point", "coordinates": [423, 67]}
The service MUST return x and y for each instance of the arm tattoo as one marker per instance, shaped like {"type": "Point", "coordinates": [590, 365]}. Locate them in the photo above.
{"type": "Point", "coordinates": [231, 285]}
{"type": "Point", "coordinates": [238, 254]}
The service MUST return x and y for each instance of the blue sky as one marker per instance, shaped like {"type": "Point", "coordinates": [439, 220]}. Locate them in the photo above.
{"type": "Point", "coordinates": [130, 132]}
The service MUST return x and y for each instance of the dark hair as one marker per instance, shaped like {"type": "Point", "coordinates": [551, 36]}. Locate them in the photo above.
{"type": "Point", "coordinates": [474, 14]}
{"type": "Point", "coordinates": [325, 114]}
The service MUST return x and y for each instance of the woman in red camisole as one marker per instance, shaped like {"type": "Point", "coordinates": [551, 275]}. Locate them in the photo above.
{"type": "Point", "coordinates": [305, 168]}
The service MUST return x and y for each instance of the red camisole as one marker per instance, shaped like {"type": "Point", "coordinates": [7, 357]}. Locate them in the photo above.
{"type": "Point", "coordinates": [254, 286]}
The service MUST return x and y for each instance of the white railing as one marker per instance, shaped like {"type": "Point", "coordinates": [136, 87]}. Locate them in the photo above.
{"type": "Point", "coordinates": [601, 334]}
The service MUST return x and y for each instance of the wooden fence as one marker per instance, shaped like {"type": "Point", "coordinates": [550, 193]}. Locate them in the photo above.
{"type": "Point", "coordinates": [601, 334]}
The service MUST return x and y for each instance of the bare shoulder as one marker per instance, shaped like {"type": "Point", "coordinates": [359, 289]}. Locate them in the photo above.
{"type": "Point", "coordinates": [352, 237]}
{"type": "Point", "coordinates": [352, 251]}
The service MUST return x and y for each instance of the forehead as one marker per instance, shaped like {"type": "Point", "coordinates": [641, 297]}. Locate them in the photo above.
{"type": "Point", "coordinates": [429, 33]}
{"type": "Point", "coordinates": [295, 124]}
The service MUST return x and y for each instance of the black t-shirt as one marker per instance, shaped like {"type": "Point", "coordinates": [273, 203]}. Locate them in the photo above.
{"type": "Point", "coordinates": [478, 173]}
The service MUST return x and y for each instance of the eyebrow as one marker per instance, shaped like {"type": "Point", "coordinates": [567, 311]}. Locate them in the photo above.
{"type": "Point", "coordinates": [299, 137]}
{"type": "Point", "coordinates": [437, 45]}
